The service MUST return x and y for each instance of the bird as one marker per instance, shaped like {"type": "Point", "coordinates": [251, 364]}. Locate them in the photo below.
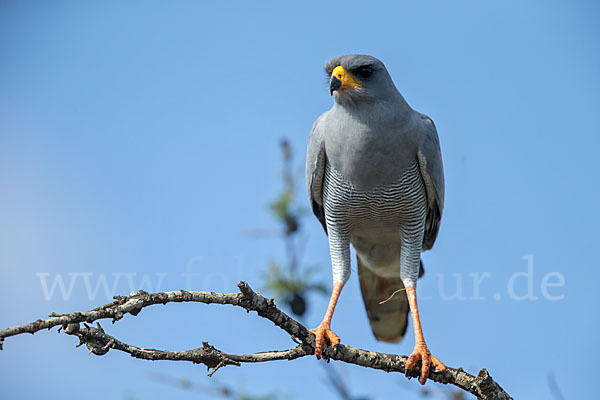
{"type": "Point", "coordinates": [375, 181]}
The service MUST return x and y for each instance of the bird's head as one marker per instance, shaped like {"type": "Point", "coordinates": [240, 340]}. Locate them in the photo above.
{"type": "Point", "coordinates": [356, 77]}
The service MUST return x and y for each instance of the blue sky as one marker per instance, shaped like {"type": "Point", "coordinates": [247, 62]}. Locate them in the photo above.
{"type": "Point", "coordinates": [138, 139]}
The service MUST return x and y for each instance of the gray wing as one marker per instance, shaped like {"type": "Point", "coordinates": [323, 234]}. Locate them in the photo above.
{"type": "Point", "coordinates": [315, 171]}
{"type": "Point", "coordinates": [432, 171]}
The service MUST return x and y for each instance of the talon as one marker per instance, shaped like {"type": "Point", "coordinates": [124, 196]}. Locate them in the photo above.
{"type": "Point", "coordinates": [422, 353]}
{"type": "Point", "coordinates": [323, 332]}
{"type": "Point", "coordinates": [437, 364]}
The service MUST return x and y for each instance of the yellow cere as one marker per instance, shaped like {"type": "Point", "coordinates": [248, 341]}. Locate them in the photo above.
{"type": "Point", "coordinates": [346, 78]}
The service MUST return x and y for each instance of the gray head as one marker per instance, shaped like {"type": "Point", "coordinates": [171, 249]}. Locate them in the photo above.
{"type": "Point", "coordinates": [358, 78]}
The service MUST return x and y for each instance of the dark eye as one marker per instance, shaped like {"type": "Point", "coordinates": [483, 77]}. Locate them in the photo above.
{"type": "Point", "coordinates": [364, 71]}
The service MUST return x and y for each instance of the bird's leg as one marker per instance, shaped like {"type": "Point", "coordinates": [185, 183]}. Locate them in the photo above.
{"type": "Point", "coordinates": [323, 331]}
{"type": "Point", "coordinates": [421, 352]}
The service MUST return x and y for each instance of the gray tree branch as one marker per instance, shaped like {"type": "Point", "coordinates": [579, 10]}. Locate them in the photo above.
{"type": "Point", "coordinates": [99, 342]}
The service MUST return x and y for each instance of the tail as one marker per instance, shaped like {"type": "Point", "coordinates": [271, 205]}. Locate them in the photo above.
{"type": "Point", "coordinates": [390, 319]}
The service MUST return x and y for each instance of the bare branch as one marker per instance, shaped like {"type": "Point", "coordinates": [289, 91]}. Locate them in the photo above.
{"type": "Point", "coordinates": [99, 342]}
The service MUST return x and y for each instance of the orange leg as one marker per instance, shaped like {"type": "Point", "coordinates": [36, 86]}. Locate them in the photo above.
{"type": "Point", "coordinates": [421, 352]}
{"type": "Point", "coordinates": [323, 331]}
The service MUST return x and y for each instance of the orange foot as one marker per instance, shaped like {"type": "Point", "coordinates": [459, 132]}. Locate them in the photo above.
{"type": "Point", "coordinates": [321, 332]}
{"type": "Point", "coordinates": [421, 352]}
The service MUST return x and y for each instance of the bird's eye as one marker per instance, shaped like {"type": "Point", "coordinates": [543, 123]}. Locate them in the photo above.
{"type": "Point", "coordinates": [365, 71]}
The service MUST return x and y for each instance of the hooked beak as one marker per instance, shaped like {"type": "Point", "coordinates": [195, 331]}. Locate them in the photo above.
{"type": "Point", "coordinates": [341, 79]}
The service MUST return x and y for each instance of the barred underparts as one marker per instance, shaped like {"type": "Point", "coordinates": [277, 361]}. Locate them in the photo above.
{"type": "Point", "coordinates": [392, 217]}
